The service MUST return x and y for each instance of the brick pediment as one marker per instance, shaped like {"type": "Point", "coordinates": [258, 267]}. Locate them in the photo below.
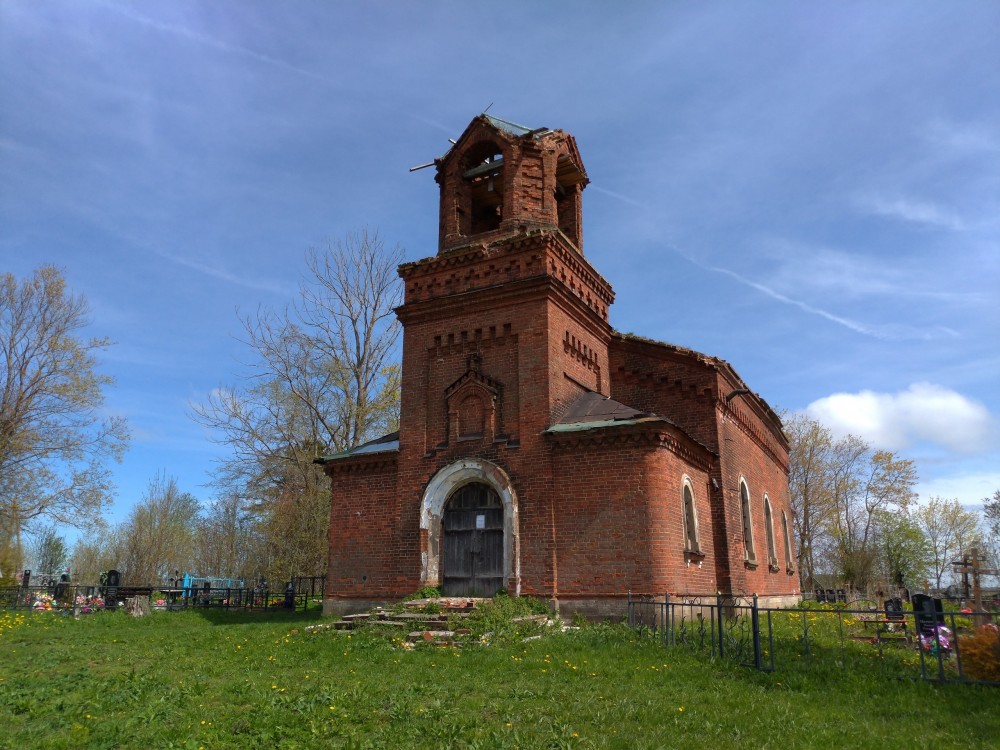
{"type": "Point", "coordinates": [472, 404]}
{"type": "Point", "coordinates": [473, 380]}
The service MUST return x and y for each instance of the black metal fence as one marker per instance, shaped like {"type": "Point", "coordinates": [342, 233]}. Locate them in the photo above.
{"type": "Point", "coordinates": [298, 594]}
{"type": "Point", "coordinates": [932, 645]}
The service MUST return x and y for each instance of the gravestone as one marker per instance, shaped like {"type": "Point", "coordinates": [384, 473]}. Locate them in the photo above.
{"type": "Point", "coordinates": [894, 609]}
{"type": "Point", "coordinates": [62, 588]}
{"type": "Point", "coordinates": [820, 596]}
{"type": "Point", "coordinates": [928, 613]}
{"type": "Point", "coordinates": [290, 595]}
{"type": "Point", "coordinates": [111, 583]}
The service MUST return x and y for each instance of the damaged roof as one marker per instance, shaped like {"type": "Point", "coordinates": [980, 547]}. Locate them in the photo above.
{"type": "Point", "coordinates": [508, 127]}
{"type": "Point", "coordinates": [593, 407]}
{"type": "Point", "coordinates": [592, 411]}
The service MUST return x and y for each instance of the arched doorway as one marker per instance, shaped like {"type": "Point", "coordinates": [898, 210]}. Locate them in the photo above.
{"type": "Point", "coordinates": [447, 485]}
{"type": "Point", "coordinates": [472, 542]}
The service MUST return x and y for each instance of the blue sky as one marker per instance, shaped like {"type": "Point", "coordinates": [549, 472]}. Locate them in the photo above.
{"type": "Point", "coordinates": [810, 191]}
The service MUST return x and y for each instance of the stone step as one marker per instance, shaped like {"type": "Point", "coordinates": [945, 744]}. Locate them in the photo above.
{"type": "Point", "coordinates": [418, 616]}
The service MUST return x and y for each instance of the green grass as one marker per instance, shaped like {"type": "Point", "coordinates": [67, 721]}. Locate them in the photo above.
{"type": "Point", "coordinates": [234, 680]}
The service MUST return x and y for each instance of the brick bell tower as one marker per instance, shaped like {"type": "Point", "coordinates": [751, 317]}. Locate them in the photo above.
{"type": "Point", "coordinates": [522, 462]}
{"type": "Point", "coordinates": [503, 328]}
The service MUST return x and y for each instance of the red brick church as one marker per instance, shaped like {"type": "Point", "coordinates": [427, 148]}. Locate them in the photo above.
{"type": "Point", "coordinates": [539, 450]}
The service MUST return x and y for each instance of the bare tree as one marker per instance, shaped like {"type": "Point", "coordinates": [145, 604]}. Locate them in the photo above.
{"type": "Point", "coordinates": [808, 485]}
{"type": "Point", "coordinates": [323, 379]}
{"type": "Point", "coordinates": [93, 553]}
{"type": "Point", "coordinates": [158, 536]}
{"type": "Point", "coordinates": [54, 441]}
{"type": "Point", "coordinates": [228, 541]}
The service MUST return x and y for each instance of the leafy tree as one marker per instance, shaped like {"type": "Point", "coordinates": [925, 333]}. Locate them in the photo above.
{"type": "Point", "coordinates": [950, 529]}
{"type": "Point", "coordinates": [48, 550]}
{"type": "Point", "coordinates": [991, 512]}
{"type": "Point", "coordinates": [991, 529]}
{"type": "Point", "coordinates": [905, 555]}
{"type": "Point", "coordinates": [323, 379]}
{"type": "Point", "coordinates": [54, 441]}
{"type": "Point", "coordinates": [865, 483]}
{"type": "Point", "coordinates": [838, 489]}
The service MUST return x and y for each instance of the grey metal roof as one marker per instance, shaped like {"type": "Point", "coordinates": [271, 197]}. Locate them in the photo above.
{"type": "Point", "coordinates": [384, 444]}
{"type": "Point", "coordinates": [593, 407]}
{"type": "Point", "coordinates": [510, 127]}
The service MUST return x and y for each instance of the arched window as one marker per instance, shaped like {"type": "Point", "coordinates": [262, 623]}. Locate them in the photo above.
{"type": "Point", "coordinates": [788, 542]}
{"type": "Point", "coordinates": [749, 553]}
{"type": "Point", "coordinates": [690, 519]}
{"type": "Point", "coordinates": [772, 555]}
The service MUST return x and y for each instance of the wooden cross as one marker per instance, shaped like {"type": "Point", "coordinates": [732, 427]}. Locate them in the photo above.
{"type": "Point", "coordinates": [974, 566]}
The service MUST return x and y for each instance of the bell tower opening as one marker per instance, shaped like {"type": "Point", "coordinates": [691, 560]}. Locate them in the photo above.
{"type": "Point", "coordinates": [484, 177]}
{"type": "Point", "coordinates": [500, 176]}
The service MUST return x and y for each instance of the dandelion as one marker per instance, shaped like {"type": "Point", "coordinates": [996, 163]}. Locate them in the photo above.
{"type": "Point", "coordinates": [680, 709]}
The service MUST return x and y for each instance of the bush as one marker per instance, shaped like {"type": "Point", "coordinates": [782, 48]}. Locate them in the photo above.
{"type": "Point", "coordinates": [981, 653]}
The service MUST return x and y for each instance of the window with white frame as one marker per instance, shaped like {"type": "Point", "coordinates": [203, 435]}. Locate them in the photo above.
{"type": "Point", "coordinates": [772, 555]}
{"type": "Point", "coordinates": [788, 542]}
{"type": "Point", "coordinates": [749, 553]}
{"type": "Point", "coordinates": [690, 519]}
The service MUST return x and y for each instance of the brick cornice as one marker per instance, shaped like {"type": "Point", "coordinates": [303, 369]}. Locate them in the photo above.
{"type": "Point", "coordinates": [362, 464]}
{"type": "Point", "coordinates": [752, 431]}
{"type": "Point", "coordinates": [650, 435]}
{"type": "Point", "coordinates": [541, 287]}
{"type": "Point", "coordinates": [510, 258]}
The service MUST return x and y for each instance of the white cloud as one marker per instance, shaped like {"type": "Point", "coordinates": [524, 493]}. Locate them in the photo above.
{"type": "Point", "coordinates": [886, 332]}
{"type": "Point", "coordinates": [923, 412]}
{"type": "Point", "coordinates": [968, 489]}
{"type": "Point", "coordinates": [963, 138]}
{"type": "Point", "coordinates": [913, 211]}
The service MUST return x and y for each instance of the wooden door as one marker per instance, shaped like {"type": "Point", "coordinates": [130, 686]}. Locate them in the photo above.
{"type": "Point", "coordinates": [472, 548]}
